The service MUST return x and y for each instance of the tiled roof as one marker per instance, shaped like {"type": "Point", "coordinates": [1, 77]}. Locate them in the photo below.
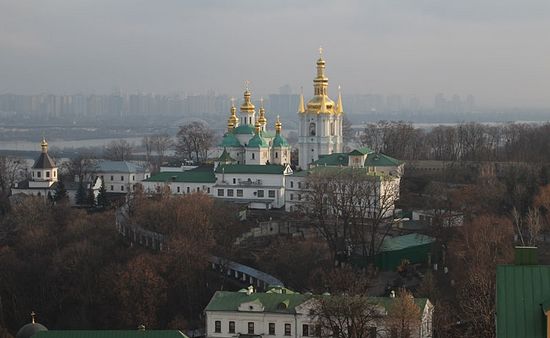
{"type": "Point", "coordinates": [250, 169]}
{"type": "Point", "coordinates": [109, 334]}
{"type": "Point", "coordinates": [44, 162]}
{"type": "Point", "coordinates": [522, 292]}
{"type": "Point", "coordinates": [191, 176]}
{"type": "Point", "coordinates": [106, 166]}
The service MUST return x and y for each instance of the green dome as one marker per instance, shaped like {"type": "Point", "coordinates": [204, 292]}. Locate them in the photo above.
{"type": "Point", "coordinates": [29, 330]}
{"type": "Point", "coordinates": [279, 141]}
{"type": "Point", "coordinates": [257, 142]}
{"type": "Point", "coordinates": [245, 129]}
{"type": "Point", "coordinates": [230, 140]}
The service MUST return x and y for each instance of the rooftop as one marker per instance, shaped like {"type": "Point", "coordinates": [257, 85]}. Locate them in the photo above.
{"type": "Point", "coordinates": [406, 241]}
{"type": "Point", "coordinates": [273, 169]}
{"type": "Point", "coordinates": [44, 161]}
{"type": "Point", "coordinates": [197, 175]}
{"type": "Point", "coordinates": [107, 166]}
{"type": "Point", "coordinates": [109, 334]}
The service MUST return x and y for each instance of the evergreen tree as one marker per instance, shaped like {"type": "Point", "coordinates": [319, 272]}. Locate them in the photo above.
{"type": "Point", "coordinates": [60, 192]}
{"type": "Point", "coordinates": [90, 198]}
{"type": "Point", "coordinates": [81, 194]}
{"type": "Point", "coordinates": [102, 196]}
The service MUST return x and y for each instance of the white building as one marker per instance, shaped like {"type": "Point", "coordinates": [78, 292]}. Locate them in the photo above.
{"type": "Point", "coordinates": [120, 176]}
{"type": "Point", "coordinates": [281, 313]}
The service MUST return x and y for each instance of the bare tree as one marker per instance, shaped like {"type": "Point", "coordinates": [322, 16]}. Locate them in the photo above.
{"type": "Point", "coordinates": [119, 150]}
{"type": "Point", "coordinates": [193, 141]}
{"type": "Point", "coordinates": [80, 167]}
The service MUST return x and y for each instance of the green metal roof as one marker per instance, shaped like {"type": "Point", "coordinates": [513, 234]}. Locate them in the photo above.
{"type": "Point", "coordinates": [257, 142]}
{"type": "Point", "coordinates": [361, 151]}
{"type": "Point", "coordinates": [230, 301]}
{"type": "Point", "coordinates": [381, 160]}
{"type": "Point", "coordinates": [335, 159]}
{"type": "Point", "coordinates": [280, 141]}
{"type": "Point", "coordinates": [245, 129]}
{"type": "Point", "coordinates": [281, 302]}
{"type": "Point", "coordinates": [406, 241]}
{"type": "Point", "coordinates": [522, 292]}
{"type": "Point", "coordinates": [230, 140]}
{"type": "Point", "coordinates": [109, 334]}
{"type": "Point", "coordinates": [225, 157]}
{"type": "Point", "coordinates": [250, 169]}
{"type": "Point", "coordinates": [267, 134]}
{"type": "Point", "coordinates": [191, 176]}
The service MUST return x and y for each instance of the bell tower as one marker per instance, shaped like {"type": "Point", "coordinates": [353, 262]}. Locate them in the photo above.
{"type": "Point", "coordinates": [320, 130]}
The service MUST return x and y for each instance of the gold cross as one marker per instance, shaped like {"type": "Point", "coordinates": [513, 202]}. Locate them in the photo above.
{"type": "Point", "coordinates": [246, 83]}
{"type": "Point", "coordinates": [321, 51]}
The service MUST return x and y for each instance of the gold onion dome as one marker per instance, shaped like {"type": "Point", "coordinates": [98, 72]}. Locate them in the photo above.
{"type": "Point", "coordinates": [247, 105]}
{"type": "Point", "coordinates": [44, 145]}
{"type": "Point", "coordinates": [278, 125]}
{"type": "Point", "coordinates": [257, 127]}
{"type": "Point", "coordinates": [320, 103]}
{"type": "Point", "coordinates": [262, 118]}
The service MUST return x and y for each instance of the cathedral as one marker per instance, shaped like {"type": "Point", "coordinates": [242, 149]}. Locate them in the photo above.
{"type": "Point", "coordinates": [248, 141]}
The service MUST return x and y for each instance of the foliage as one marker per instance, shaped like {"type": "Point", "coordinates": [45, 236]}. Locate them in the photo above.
{"type": "Point", "coordinates": [119, 150]}
{"type": "Point", "coordinates": [403, 316]}
{"type": "Point", "coordinates": [102, 199]}
{"type": "Point", "coordinates": [81, 194]}
{"type": "Point", "coordinates": [193, 141]}
{"type": "Point", "coordinates": [60, 192]}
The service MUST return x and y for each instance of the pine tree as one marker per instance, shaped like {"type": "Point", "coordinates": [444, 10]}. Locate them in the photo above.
{"type": "Point", "coordinates": [60, 192]}
{"type": "Point", "coordinates": [102, 196]}
{"type": "Point", "coordinates": [90, 198]}
{"type": "Point", "coordinates": [81, 194]}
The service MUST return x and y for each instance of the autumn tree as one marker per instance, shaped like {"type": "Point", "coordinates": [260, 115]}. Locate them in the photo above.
{"type": "Point", "coordinates": [193, 141]}
{"type": "Point", "coordinates": [119, 150]}
{"type": "Point", "coordinates": [478, 247]}
{"type": "Point", "coordinates": [404, 316]}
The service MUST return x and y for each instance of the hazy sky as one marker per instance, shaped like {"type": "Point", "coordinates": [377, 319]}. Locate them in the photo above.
{"type": "Point", "coordinates": [498, 50]}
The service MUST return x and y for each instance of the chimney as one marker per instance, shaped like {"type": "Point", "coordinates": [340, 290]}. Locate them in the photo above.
{"type": "Point", "coordinates": [250, 290]}
{"type": "Point", "coordinates": [525, 255]}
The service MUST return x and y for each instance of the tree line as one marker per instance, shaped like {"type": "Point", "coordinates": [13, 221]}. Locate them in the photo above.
{"type": "Point", "coordinates": [469, 141]}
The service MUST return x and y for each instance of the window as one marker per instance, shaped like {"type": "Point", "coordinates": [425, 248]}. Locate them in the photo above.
{"type": "Point", "coordinates": [38, 173]}
{"type": "Point", "coordinates": [276, 155]}
{"type": "Point", "coordinates": [239, 192]}
{"type": "Point", "coordinates": [287, 329]}
{"type": "Point", "coordinates": [260, 193]}
{"type": "Point", "coordinates": [305, 330]}
{"type": "Point", "coordinates": [231, 327]}
{"type": "Point", "coordinates": [47, 174]}
{"type": "Point", "coordinates": [299, 197]}
{"type": "Point", "coordinates": [299, 185]}
{"type": "Point", "coordinates": [291, 197]}
{"type": "Point", "coordinates": [122, 178]}
{"type": "Point", "coordinates": [234, 181]}
{"type": "Point", "coordinates": [271, 193]}
{"type": "Point", "coordinates": [198, 189]}
{"type": "Point", "coordinates": [54, 173]}
{"type": "Point", "coordinates": [292, 184]}
{"type": "Point", "coordinates": [220, 192]}
{"type": "Point", "coordinates": [112, 178]}
{"type": "Point", "coordinates": [230, 192]}
{"type": "Point", "coordinates": [121, 188]}
{"type": "Point", "coordinates": [250, 327]}
{"type": "Point", "coordinates": [271, 329]}
{"type": "Point", "coordinates": [217, 326]}
{"type": "Point", "coordinates": [178, 189]}
{"type": "Point", "coordinates": [112, 188]}
{"type": "Point", "coordinates": [208, 190]}
{"type": "Point", "coordinates": [312, 129]}
{"type": "Point", "coordinates": [133, 177]}
{"type": "Point", "coordinates": [187, 189]}
{"type": "Point", "coordinates": [252, 155]}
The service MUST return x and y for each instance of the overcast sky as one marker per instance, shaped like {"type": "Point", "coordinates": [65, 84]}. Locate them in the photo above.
{"type": "Point", "coordinates": [497, 50]}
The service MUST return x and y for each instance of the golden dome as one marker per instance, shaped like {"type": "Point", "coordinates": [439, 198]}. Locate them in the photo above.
{"type": "Point", "coordinates": [44, 145]}
{"type": "Point", "coordinates": [278, 125]}
{"type": "Point", "coordinates": [247, 106]}
{"type": "Point", "coordinates": [320, 103]}
{"type": "Point", "coordinates": [262, 118]}
{"type": "Point", "coordinates": [257, 127]}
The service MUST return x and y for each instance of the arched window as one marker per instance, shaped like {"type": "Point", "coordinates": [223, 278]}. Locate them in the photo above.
{"type": "Point", "coordinates": [252, 155]}
{"type": "Point", "coordinates": [276, 155]}
{"type": "Point", "coordinates": [312, 129]}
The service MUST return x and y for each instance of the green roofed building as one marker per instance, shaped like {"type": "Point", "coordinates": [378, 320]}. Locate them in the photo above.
{"type": "Point", "coordinates": [110, 334]}
{"type": "Point", "coordinates": [416, 248]}
{"type": "Point", "coordinates": [523, 297]}
{"type": "Point", "coordinates": [282, 313]}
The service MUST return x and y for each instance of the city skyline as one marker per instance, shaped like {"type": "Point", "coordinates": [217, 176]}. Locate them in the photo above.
{"type": "Point", "coordinates": [491, 49]}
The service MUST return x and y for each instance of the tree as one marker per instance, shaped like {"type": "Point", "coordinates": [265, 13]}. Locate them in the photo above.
{"type": "Point", "coordinates": [102, 199]}
{"type": "Point", "coordinates": [403, 316]}
{"type": "Point", "coordinates": [90, 197]}
{"type": "Point", "coordinates": [10, 168]}
{"type": "Point", "coordinates": [81, 194]}
{"type": "Point", "coordinates": [193, 141]}
{"type": "Point", "coordinates": [60, 192]}
{"type": "Point", "coordinates": [119, 150]}
{"type": "Point", "coordinates": [80, 168]}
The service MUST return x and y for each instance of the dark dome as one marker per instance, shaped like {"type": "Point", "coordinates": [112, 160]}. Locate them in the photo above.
{"type": "Point", "coordinates": [29, 330]}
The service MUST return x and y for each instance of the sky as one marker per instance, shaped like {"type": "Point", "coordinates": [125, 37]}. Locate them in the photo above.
{"type": "Point", "coordinates": [497, 50]}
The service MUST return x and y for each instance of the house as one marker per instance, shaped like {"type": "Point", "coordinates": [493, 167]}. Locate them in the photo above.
{"type": "Point", "coordinates": [120, 177]}
{"type": "Point", "coordinates": [523, 297]}
{"type": "Point", "coordinates": [282, 313]}
{"type": "Point", "coordinates": [447, 218]}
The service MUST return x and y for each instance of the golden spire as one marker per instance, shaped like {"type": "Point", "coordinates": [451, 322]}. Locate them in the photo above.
{"type": "Point", "coordinates": [33, 315]}
{"type": "Point", "coordinates": [247, 106]}
{"type": "Point", "coordinates": [262, 119]}
{"type": "Point", "coordinates": [257, 127]}
{"type": "Point", "coordinates": [320, 103]}
{"type": "Point", "coordinates": [233, 119]}
{"type": "Point", "coordinates": [278, 125]}
{"type": "Point", "coordinates": [339, 107]}
{"type": "Point", "coordinates": [301, 107]}
{"type": "Point", "coordinates": [44, 145]}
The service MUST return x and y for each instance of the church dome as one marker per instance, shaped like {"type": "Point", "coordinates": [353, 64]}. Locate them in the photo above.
{"type": "Point", "coordinates": [29, 330]}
